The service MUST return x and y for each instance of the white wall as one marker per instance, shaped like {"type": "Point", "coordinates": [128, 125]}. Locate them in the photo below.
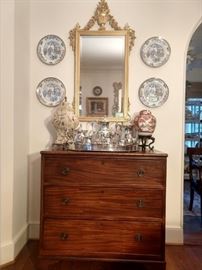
{"type": "Point", "coordinates": [21, 123]}
{"type": "Point", "coordinates": [14, 126]}
{"type": "Point", "coordinates": [6, 130]}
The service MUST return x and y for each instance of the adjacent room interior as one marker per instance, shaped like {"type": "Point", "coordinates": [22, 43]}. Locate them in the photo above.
{"type": "Point", "coordinates": [193, 134]}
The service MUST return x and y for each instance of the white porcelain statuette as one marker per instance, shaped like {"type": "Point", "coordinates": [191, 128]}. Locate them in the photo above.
{"type": "Point", "coordinates": [65, 122]}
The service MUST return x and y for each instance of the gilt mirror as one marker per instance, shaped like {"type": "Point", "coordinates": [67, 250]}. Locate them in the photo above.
{"type": "Point", "coordinates": [101, 67]}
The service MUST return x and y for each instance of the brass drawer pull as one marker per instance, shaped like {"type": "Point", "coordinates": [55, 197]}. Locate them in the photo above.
{"type": "Point", "coordinates": [140, 173]}
{"type": "Point", "coordinates": [140, 203]}
{"type": "Point", "coordinates": [63, 236]}
{"type": "Point", "coordinates": [65, 171]}
{"type": "Point", "coordinates": [138, 237]}
{"type": "Point", "coordinates": [65, 201]}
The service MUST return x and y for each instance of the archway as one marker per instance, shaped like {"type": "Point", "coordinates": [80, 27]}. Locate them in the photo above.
{"type": "Point", "coordinates": [193, 131]}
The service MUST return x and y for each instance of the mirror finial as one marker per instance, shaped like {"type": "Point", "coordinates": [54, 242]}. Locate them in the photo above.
{"type": "Point", "coordinates": [102, 14]}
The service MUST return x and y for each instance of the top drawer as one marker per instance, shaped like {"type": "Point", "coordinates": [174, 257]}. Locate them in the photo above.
{"type": "Point", "coordinates": [107, 171]}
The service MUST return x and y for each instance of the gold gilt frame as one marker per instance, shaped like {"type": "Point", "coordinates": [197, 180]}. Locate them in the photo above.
{"type": "Point", "coordinates": [102, 17]}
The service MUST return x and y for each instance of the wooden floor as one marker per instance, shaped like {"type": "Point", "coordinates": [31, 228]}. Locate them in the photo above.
{"type": "Point", "coordinates": [192, 230]}
{"type": "Point", "coordinates": [186, 257]}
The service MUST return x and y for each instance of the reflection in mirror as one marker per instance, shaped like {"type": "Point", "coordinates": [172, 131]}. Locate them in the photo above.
{"type": "Point", "coordinates": [102, 63]}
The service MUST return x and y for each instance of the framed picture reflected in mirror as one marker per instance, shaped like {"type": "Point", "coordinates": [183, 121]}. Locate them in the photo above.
{"type": "Point", "coordinates": [97, 106]}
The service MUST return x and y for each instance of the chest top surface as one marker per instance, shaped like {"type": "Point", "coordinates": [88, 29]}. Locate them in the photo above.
{"type": "Point", "coordinates": [107, 154]}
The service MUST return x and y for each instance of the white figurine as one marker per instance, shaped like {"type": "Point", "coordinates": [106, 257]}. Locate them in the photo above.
{"type": "Point", "coordinates": [65, 122]}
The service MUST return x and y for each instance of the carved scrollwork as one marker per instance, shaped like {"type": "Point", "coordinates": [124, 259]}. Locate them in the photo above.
{"type": "Point", "coordinates": [72, 36]}
{"type": "Point", "coordinates": [90, 23]}
{"type": "Point", "coordinates": [113, 23]}
{"type": "Point", "coordinates": [131, 36]}
{"type": "Point", "coordinates": [102, 16]}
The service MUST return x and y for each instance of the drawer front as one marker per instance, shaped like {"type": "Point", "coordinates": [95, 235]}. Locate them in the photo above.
{"type": "Point", "coordinates": [87, 171]}
{"type": "Point", "coordinates": [102, 202]}
{"type": "Point", "coordinates": [101, 238]}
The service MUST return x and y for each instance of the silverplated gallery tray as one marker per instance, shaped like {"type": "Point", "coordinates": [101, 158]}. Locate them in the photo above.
{"type": "Point", "coordinates": [95, 148]}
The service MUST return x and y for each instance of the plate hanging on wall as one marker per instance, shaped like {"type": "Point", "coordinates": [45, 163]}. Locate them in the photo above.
{"type": "Point", "coordinates": [50, 91]}
{"type": "Point", "coordinates": [51, 49]}
{"type": "Point", "coordinates": [97, 91]}
{"type": "Point", "coordinates": [153, 92]}
{"type": "Point", "coordinates": [155, 52]}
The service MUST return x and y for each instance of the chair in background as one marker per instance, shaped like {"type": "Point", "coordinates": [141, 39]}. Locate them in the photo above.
{"type": "Point", "coordinates": [195, 175]}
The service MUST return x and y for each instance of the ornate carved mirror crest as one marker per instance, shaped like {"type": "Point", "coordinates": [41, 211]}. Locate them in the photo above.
{"type": "Point", "coordinates": [102, 16]}
{"type": "Point", "coordinates": [101, 58]}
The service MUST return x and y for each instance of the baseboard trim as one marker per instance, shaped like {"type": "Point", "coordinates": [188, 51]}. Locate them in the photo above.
{"type": "Point", "coordinates": [20, 240]}
{"type": "Point", "coordinates": [7, 253]}
{"type": "Point", "coordinates": [33, 232]}
{"type": "Point", "coordinates": [11, 249]}
{"type": "Point", "coordinates": [174, 235]}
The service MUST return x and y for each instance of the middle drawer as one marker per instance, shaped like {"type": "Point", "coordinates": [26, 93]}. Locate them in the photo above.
{"type": "Point", "coordinates": [102, 202]}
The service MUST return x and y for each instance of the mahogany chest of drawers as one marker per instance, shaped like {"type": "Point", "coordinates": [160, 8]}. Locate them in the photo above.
{"type": "Point", "coordinates": [102, 206]}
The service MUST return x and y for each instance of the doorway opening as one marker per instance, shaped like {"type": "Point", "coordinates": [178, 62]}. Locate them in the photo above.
{"type": "Point", "coordinates": [193, 134]}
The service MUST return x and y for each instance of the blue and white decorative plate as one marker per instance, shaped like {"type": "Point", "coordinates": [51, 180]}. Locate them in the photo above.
{"type": "Point", "coordinates": [153, 92]}
{"type": "Point", "coordinates": [155, 52]}
{"type": "Point", "coordinates": [51, 92]}
{"type": "Point", "coordinates": [51, 49]}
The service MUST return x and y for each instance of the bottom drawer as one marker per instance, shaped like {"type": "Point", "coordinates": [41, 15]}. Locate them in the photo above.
{"type": "Point", "coordinates": [111, 239]}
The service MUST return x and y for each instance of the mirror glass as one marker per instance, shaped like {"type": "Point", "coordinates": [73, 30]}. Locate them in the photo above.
{"type": "Point", "coordinates": [101, 75]}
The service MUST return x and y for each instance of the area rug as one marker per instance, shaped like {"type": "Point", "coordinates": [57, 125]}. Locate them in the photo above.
{"type": "Point", "coordinates": [192, 219]}
{"type": "Point", "coordinates": [196, 211]}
